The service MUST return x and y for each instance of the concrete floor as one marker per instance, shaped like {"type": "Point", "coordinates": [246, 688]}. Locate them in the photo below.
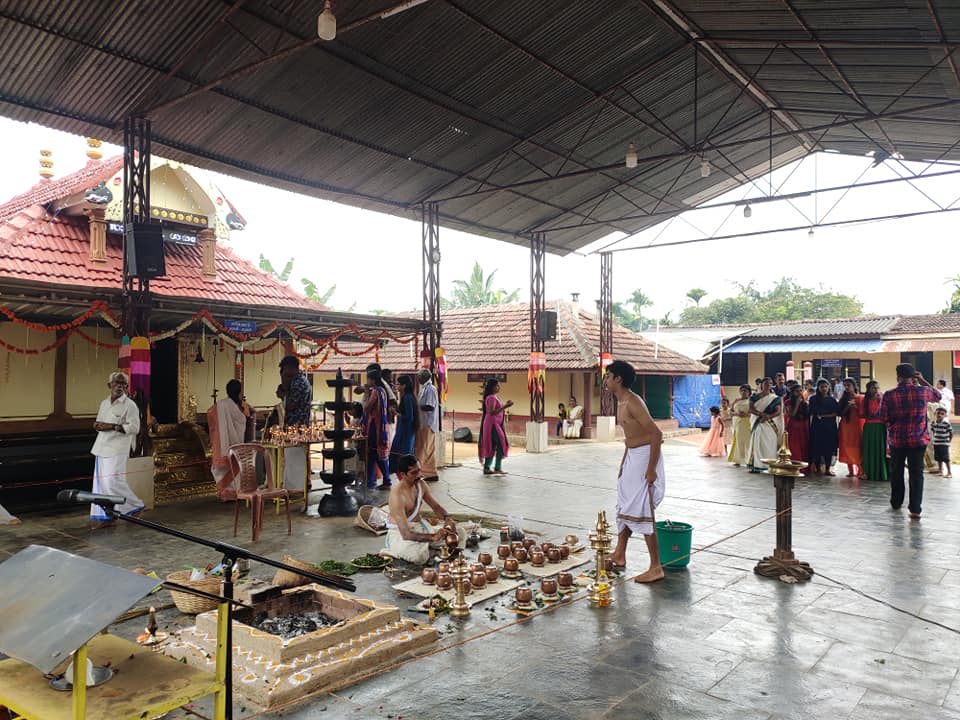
{"type": "Point", "coordinates": [714, 641]}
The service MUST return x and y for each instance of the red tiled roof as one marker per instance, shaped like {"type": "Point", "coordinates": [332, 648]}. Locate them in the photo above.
{"type": "Point", "coordinates": [36, 247]}
{"type": "Point", "coordinates": [94, 172]}
{"type": "Point", "coordinates": [496, 338]}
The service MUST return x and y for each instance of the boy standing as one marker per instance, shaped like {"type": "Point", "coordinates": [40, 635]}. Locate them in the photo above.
{"type": "Point", "coordinates": [941, 432]}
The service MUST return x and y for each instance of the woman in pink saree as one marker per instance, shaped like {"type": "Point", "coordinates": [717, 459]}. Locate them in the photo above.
{"type": "Point", "coordinates": [231, 422]}
{"type": "Point", "coordinates": [493, 439]}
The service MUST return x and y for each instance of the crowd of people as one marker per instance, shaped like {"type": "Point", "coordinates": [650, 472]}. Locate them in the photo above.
{"type": "Point", "coordinates": [874, 433]}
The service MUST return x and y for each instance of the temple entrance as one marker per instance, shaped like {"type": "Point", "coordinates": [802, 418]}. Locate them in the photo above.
{"type": "Point", "coordinates": [164, 363]}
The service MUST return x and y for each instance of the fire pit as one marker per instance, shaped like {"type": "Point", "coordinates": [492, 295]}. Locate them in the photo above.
{"type": "Point", "coordinates": [276, 657]}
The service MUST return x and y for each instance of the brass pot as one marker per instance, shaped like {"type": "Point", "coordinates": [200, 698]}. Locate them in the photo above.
{"type": "Point", "coordinates": [477, 567]}
{"type": "Point", "coordinates": [516, 544]}
{"type": "Point", "coordinates": [537, 559]}
{"type": "Point", "coordinates": [564, 551]}
{"type": "Point", "coordinates": [492, 574]}
{"type": "Point", "coordinates": [571, 540]}
{"type": "Point", "coordinates": [443, 567]}
{"type": "Point", "coordinates": [524, 596]}
{"type": "Point", "coordinates": [546, 546]}
{"type": "Point", "coordinates": [511, 565]}
{"type": "Point", "coordinates": [504, 551]}
{"type": "Point", "coordinates": [553, 555]}
{"type": "Point", "coordinates": [528, 543]}
{"type": "Point", "coordinates": [520, 554]}
{"type": "Point", "coordinates": [565, 580]}
{"type": "Point", "coordinates": [485, 558]}
{"type": "Point", "coordinates": [548, 586]}
{"type": "Point", "coordinates": [428, 576]}
{"type": "Point", "coordinates": [444, 581]}
{"type": "Point", "coordinates": [478, 578]}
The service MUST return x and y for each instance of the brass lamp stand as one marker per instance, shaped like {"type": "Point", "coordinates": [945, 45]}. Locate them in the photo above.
{"type": "Point", "coordinates": [460, 571]}
{"type": "Point", "coordinates": [600, 540]}
{"type": "Point", "coordinates": [783, 565]}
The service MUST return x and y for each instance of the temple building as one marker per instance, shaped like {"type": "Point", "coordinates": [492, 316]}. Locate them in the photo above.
{"type": "Point", "coordinates": [494, 341]}
{"type": "Point", "coordinates": [215, 317]}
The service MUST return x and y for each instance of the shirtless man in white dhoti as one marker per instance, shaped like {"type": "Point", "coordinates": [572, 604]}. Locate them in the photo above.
{"type": "Point", "coordinates": [641, 483]}
{"type": "Point", "coordinates": [408, 535]}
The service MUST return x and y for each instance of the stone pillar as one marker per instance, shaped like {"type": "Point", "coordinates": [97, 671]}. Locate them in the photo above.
{"type": "Point", "coordinates": [208, 246]}
{"type": "Point", "coordinates": [98, 235]}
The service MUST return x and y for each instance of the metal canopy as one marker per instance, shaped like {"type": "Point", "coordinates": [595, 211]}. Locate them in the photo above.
{"type": "Point", "coordinates": [515, 116]}
{"type": "Point", "coordinates": [53, 602]}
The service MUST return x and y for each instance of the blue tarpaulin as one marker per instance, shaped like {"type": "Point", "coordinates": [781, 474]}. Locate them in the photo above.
{"type": "Point", "coordinates": [692, 397]}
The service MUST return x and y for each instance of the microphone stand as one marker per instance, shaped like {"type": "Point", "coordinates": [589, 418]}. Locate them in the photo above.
{"type": "Point", "coordinates": [230, 555]}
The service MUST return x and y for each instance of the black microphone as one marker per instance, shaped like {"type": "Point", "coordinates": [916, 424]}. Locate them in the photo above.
{"type": "Point", "coordinates": [81, 496]}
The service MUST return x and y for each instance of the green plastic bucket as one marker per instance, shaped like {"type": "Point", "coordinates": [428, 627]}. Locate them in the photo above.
{"type": "Point", "coordinates": [674, 540]}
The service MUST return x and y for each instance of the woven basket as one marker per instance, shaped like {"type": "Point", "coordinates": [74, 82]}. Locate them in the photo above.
{"type": "Point", "coordinates": [287, 579]}
{"type": "Point", "coordinates": [194, 604]}
{"type": "Point", "coordinates": [363, 515]}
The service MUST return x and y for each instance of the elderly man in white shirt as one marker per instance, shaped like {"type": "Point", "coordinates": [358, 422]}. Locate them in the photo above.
{"type": "Point", "coordinates": [425, 445]}
{"type": "Point", "coordinates": [117, 426]}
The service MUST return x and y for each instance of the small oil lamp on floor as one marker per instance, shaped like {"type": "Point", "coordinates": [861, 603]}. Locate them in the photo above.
{"type": "Point", "coordinates": [600, 540]}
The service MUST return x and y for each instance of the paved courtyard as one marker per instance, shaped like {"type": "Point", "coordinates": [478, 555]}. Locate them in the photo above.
{"type": "Point", "coordinates": [713, 641]}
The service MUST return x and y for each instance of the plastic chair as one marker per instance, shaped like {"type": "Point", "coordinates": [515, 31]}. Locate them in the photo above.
{"type": "Point", "coordinates": [243, 462]}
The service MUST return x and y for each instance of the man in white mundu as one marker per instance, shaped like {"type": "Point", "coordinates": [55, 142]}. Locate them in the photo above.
{"type": "Point", "coordinates": [641, 483]}
{"type": "Point", "coordinates": [117, 425]}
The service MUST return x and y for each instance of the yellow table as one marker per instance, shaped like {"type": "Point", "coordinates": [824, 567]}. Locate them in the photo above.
{"type": "Point", "coordinates": [146, 684]}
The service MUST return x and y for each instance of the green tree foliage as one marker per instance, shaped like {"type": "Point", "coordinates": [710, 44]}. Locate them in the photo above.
{"type": "Point", "coordinates": [786, 300]}
{"type": "Point", "coordinates": [696, 294]}
{"type": "Point", "coordinates": [309, 286]}
{"type": "Point", "coordinates": [478, 290]}
{"type": "Point", "coordinates": [953, 304]}
{"type": "Point", "coordinates": [630, 314]}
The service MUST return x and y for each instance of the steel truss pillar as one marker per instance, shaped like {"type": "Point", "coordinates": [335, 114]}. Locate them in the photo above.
{"type": "Point", "coordinates": [538, 256]}
{"type": "Point", "coordinates": [136, 209]}
{"type": "Point", "coordinates": [606, 326]}
{"type": "Point", "coordinates": [430, 226]}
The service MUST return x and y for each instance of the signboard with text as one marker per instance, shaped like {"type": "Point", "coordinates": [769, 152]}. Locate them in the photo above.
{"type": "Point", "coordinates": [241, 326]}
{"type": "Point", "coordinates": [482, 377]}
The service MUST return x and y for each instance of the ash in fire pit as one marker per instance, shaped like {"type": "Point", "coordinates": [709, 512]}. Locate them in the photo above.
{"type": "Point", "coordinates": [293, 625]}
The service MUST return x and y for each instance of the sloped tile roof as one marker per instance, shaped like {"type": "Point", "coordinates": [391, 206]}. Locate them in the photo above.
{"type": "Point", "coordinates": [36, 247]}
{"type": "Point", "coordinates": [949, 323]}
{"type": "Point", "coordinates": [496, 338]}
{"type": "Point", "coordinates": [46, 191]}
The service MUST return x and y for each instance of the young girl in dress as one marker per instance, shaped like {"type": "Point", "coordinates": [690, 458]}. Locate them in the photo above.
{"type": "Point", "coordinates": [715, 444]}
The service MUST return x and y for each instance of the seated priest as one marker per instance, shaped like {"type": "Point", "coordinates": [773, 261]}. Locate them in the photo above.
{"type": "Point", "coordinates": [409, 536]}
{"type": "Point", "coordinates": [574, 422]}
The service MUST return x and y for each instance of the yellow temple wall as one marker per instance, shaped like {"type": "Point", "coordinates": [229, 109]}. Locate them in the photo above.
{"type": "Point", "coordinates": [88, 369]}
{"type": "Point", "coordinates": [26, 381]}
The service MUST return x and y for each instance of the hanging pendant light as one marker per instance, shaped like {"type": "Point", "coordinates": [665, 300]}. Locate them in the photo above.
{"type": "Point", "coordinates": [747, 211]}
{"type": "Point", "coordinates": [630, 160]}
{"type": "Point", "coordinates": [327, 23]}
{"type": "Point", "coordinates": [810, 234]}
{"type": "Point", "coordinates": [704, 168]}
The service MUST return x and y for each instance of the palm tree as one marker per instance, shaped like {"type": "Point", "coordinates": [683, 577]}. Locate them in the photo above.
{"type": "Point", "coordinates": [639, 302]}
{"type": "Point", "coordinates": [478, 290]}
{"type": "Point", "coordinates": [953, 305]}
{"type": "Point", "coordinates": [696, 294]}
{"type": "Point", "coordinates": [309, 287]}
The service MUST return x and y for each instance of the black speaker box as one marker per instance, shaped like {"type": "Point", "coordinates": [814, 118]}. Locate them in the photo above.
{"type": "Point", "coordinates": [145, 250]}
{"type": "Point", "coordinates": [547, 325]}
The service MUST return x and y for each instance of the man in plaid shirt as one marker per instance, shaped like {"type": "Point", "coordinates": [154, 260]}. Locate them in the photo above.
{"type": "Point", "coordinates": [904, 410]}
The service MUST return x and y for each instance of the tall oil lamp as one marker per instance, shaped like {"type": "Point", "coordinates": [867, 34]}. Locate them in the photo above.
{"type": "Point", "coordinates": [783, 565]}
{"type": "Point", "coordinates": [460, 571]}
{"type": "Point", "coordinates": [600, 540]}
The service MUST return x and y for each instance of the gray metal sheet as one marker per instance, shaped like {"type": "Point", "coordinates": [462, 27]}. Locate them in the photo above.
{"type": "Point", "coordinates": [53, 602]}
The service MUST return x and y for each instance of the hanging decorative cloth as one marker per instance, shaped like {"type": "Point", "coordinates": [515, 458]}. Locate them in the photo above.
{"type": "Point", "coordinates": [537, 373]}
{"type": "Point", "coordinates": [441, 371]}
{"type": "Point", "coordinates": [605, 360]}
{"type": "Point", "coordinates": [123, 360]}
{"type": "Point", "coordinates": [426, 359]}
{"type": "Point", "coordinates": [140, 366]}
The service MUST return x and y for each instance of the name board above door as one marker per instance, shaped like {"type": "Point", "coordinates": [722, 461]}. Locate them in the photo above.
{"type": "Point", "coordinates": [483, 377]}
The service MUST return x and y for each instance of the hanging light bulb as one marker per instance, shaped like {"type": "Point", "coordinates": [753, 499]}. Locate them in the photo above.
{"type": "Point", "coordinates": [747, 211]}
{"type": "Point", "coordinates": [199, 357]}
{"type": "Point", "coordinates": [704, 168]}
{"type": "Point", "coordinates": [327, 23]}
{"type": "Point", "coordinates": [810, 234]}
{"type": "Point", "coordinates": [630, 160]}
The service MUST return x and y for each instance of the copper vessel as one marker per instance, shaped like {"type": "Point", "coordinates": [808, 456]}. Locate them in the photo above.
{"type": "Point", "coordinates": [516, 544]}
{"type": "Point", "coordinates": [571, 540]}
{"type": "Point", "coordinates": [485, 558]}
{"type": "Point", "coordinates": [553, 555]}
{"type": "Point", "coordinates": [492, 574]}
{"type": "Point", "coordinates": [443, 567]}
{"type": "Point", "coordinates": [548, 586]}
{"type": "Point", "coordinates": [546, 546]}
{"type": "Point", "coordinates": [537, 559]}
{"type": "Point", "coordinates": [528, 543]}
{"type": "Point", "coordinates": [520, 554]}
{"type": "Point", "coordinates": [524, 596]}
{"type": "Point", "coordinates": [511, 565]}
{"type": "Point", "coordinates": [565, 580]}
{"type": "Point", "coordinates": [478, 578]}
{"type": "Point", "coordinates": [504, 551]}
{"type": "Point", "coordinates": [564, 551]}
{"type": "Point", "coordinates": [444, 581]}
{"type": "Point", "coordinates": [428, 576]}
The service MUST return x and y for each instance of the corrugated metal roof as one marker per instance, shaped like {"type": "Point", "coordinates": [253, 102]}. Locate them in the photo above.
{"type": "Point", "coordinates": [451, 98]}
{"type": "Point", "coordinates": [824, 345]}
{"type": "Point", "coordinates": [825, 328]}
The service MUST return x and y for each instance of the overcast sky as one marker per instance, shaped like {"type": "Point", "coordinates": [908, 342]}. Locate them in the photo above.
{"type": "Point", "coordinates": [899, 266]}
